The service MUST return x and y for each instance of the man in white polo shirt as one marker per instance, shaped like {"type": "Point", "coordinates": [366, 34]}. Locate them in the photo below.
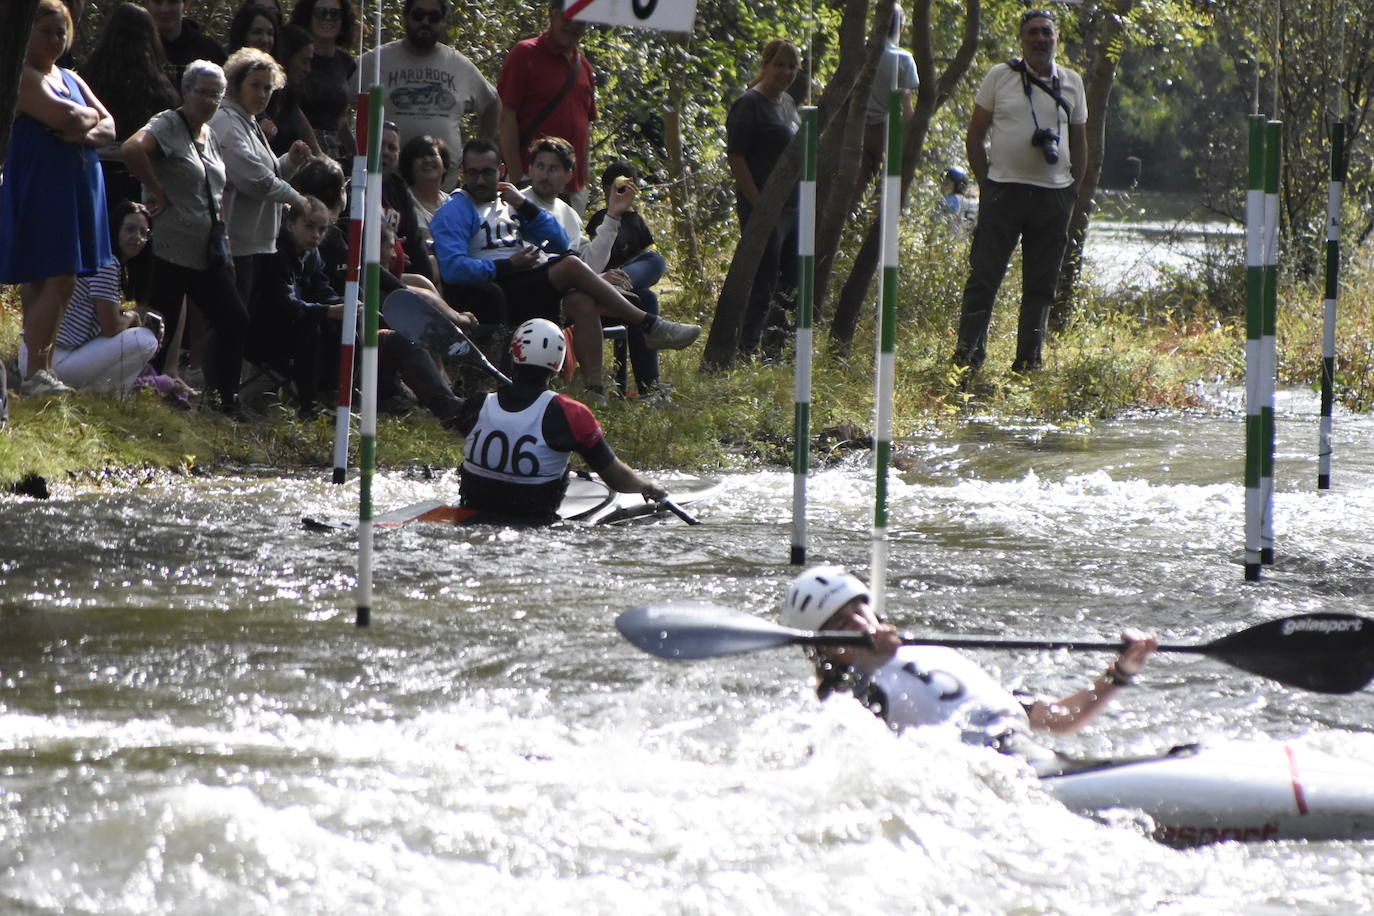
{"type": "Point", "coordinates": [1027, 146]}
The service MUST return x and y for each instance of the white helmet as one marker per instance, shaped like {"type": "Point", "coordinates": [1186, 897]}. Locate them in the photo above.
{"type": "Point", "coordinates": [538, 342]}
{"type": "Point", "coordinates": [817, 594]}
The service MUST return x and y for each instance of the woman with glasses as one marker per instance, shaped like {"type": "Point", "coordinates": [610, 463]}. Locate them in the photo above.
{"type": "Point", "coordinates": [52, 203]}
{"type": "Point", "coordinates": [178, 159]}
{"type": "Point", "coordinates": [333, 27]}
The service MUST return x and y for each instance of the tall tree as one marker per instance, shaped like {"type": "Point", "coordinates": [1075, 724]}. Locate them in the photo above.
{"type": "Point", "coordinates": [935, 90]}
{"type": "Point", "coordinates": [16, 20]}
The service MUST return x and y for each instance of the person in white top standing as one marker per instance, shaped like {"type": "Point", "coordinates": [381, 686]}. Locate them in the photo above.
{"type": "Point", "coordinates": [1027, 146]}
{"type": "Point", "coordinates": [428, 86]}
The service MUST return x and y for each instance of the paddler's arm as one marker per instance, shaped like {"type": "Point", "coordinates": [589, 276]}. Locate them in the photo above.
{"type": "Point", "coordinates": [624, 479]}
{"type": "Point", "coordinates": [1077, 710]}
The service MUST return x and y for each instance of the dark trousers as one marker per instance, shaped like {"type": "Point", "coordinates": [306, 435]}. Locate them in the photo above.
{"type": "Point", "coordinates": [775, 282]}
{"type": "Point", "coordinates": [1039, 219]}
{"type": "Point", "coordinates": [644, 269]}
{"type": "Point", "coordinates": [213, 292]}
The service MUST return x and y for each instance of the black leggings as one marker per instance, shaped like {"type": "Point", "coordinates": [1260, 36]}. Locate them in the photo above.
{"type": "Point", "coordinates": [214, 294]}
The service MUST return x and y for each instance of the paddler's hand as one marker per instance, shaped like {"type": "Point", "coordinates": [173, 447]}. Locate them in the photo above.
{"type": "Point", "coordinates": [1137, 646]}
{"type": "Point", "coordinates": [653, 490]}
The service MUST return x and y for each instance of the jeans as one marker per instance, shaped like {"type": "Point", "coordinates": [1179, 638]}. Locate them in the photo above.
{"type": "Point", "coordinates": [645, 270]}
{"type": "Point", "coordinates": [1039, 219]}
{"type": "Point", "coordinates": [775, 280]}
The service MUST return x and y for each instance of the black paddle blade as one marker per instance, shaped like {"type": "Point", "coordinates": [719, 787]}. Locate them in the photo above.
{"type": "Point", "coordinates": [1325, 653]}
{"type": "Point", "coordinates": [409, 314]}
{"type": "Point", "coordinates": [685, 631]}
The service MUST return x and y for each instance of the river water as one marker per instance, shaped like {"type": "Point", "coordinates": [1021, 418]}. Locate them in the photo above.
{"type": "Point", "coordinates": [190, 722]}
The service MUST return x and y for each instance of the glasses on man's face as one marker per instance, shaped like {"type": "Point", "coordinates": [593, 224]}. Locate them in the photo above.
{"type": "Point", "coordinates": [481, 173]}
{"type": "Point", "coordinates": [210, 95]}
{"type": "Point", "coordinates": [328, 15]}
{"type": "Point", "coordinates": [430, 16]}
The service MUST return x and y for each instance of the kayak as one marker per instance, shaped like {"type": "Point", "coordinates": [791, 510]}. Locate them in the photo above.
{"type": "Point", "coordinates": [1241, 791]}
{"type": "Point", "coordinates": [587, 500]}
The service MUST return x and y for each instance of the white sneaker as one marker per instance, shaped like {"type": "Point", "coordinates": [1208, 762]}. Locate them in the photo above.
{"type": "Point", "coordinates": [670, 335]}
{"type": "Point", "coordinates": [43, 382]}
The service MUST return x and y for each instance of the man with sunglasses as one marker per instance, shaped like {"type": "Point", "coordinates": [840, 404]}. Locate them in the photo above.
{"type": "Point", "coordinates": [1027, 146]}
{"type": "Point", "coordinates": [427, 86]}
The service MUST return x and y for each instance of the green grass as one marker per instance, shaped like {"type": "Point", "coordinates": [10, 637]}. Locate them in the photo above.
{"type": "Point", "coordinates": [1146, 350]}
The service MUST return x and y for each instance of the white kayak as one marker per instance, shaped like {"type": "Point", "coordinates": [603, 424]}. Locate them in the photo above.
{"type": "Point", "coordinates": [1243, 791]}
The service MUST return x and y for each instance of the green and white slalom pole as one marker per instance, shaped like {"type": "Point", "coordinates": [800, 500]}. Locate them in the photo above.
{"type": "Point", "coordinates": [1334, 191]}
{"type": "Point", "coordinates": [372, 283]}
{"type": "Point", "coordinates": [887, 336]}
{"type": "Point", "coordinates": [801, 384]}
{"type": "Point", "coordinates": [1254, 323]}
{"type": "Point", "coordinates": [1273, 138]}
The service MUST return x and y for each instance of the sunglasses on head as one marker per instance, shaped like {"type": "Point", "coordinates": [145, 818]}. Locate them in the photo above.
{"type": "Point", "coordinates": [430, 16]}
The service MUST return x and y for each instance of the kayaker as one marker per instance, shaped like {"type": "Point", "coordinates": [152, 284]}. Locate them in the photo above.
{"type": "Point", "coordinates": [908, 686]}
{"type": "Point", "coordinates": [519, 437]}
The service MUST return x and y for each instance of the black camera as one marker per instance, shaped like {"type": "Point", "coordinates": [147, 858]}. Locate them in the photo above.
{"type": "Point", "coordinates": [1048, 141]}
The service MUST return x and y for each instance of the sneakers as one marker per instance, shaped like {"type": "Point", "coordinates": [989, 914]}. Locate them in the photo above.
{"type": "Point", "coordinates": [669, 335]}
{"type": "Point", "coordinates": [43, 382]}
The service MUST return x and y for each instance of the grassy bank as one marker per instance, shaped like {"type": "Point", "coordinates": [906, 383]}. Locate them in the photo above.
{"type": "Point", "coordinates": [1122, 351]}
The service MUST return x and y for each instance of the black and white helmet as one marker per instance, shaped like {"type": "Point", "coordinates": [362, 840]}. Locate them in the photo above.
{"type": "Point", "coordinates": [817, 594]}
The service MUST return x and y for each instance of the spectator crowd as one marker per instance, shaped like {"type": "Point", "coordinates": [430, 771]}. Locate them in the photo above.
{"type": "Point", "coordinates": [174, 209]}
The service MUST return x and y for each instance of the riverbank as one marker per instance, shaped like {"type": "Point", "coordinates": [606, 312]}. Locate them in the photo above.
{"type": "Point", "coordinates": [1157, 349]}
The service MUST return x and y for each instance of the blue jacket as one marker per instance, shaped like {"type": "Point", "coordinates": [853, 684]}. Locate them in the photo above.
{"type": "Point", "coordinates": [456, 223]}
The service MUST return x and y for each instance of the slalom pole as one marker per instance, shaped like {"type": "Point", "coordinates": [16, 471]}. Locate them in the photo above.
{"type": "Point", "coordinates": [1273, 138]}
{"type": "Point", "coordinates": [372, 246]}
{"type": "Point", "coordinates": [347, 340]}
{"type": "Point", "coordinates": [887, 335]}
{"type": "Point", "coordinates": [1333, 269]}
{"type": "Point", "coordinates": [806, 280]}
{"type": "Point", "coordinates": [1254, 320]}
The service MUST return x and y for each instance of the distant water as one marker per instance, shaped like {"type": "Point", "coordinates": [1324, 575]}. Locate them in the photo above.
{"type": "Point", "coordinates": [1135, 238]}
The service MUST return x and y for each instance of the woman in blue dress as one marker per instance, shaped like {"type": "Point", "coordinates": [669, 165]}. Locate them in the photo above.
{"type": "Point", "coordinates": [52, 202]}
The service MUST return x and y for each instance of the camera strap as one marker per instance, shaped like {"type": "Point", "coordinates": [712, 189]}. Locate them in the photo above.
{"type": "Point", "coordinates": [1051, 88]}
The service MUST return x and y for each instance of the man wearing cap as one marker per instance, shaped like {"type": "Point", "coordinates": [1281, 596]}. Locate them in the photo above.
{"type": "Point", "coordinates": [548, 89]}
{"type": "Point", "coordinates": [1027, 146]}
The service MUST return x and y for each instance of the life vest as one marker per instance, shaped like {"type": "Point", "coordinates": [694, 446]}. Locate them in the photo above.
{"type": "Point", "coordinates": [510, 446]}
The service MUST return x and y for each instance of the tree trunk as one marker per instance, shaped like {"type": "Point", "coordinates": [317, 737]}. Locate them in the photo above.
{"type": "Point", "coordinates": [1106, 48]}
{"type": "Point", "coordinates": [931, 95]}
{"type": "Point", "coordinates": [680, 194]}
{"type": "Point", "coordinates": [836, 188]}
{"type": "Point", "coordinates": [16, 21]}
{"type": "Point", "coordinates": [722, 340]}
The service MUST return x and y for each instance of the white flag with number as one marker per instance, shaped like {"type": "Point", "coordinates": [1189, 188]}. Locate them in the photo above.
{"type": "Point", "coordinates": [667, 15]}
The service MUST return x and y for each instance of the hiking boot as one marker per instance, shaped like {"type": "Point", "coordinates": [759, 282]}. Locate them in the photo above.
{"type": "Point", "coordinates": [43, 382]}
{"type": "Point", "coordinates": [670, 335]}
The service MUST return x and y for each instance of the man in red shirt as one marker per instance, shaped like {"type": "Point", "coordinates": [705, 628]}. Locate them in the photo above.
{"type": "Point", "coordinates": [547, 89]}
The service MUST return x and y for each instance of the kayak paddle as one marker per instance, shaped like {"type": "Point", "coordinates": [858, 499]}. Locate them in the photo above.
{"type": "Point", "coordinates": [408, 314]}
{"type": "Point", "coordinates": [1325, 653]}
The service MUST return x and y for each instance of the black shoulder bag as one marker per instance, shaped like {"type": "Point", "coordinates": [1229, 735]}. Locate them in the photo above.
{"type": "Point", "coordinates": [217, 243]}
{"type": "Point", "coordinates": [528, 133]}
